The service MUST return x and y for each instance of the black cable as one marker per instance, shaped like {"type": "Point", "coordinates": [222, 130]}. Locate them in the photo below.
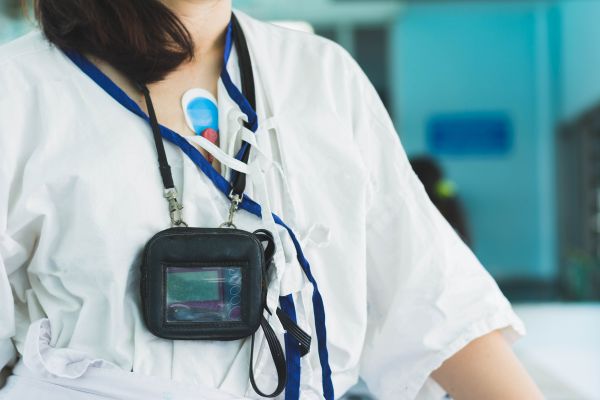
{"type": "Point", "coordinates": [249, 91]}
{"type": "Point", "coordinates": [163, 163]}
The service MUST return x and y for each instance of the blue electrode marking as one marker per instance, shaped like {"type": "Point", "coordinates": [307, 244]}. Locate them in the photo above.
{"type": "Point", "coordinates": [247, 204]}
{"type": "Point", "coordinates": [203, 114]}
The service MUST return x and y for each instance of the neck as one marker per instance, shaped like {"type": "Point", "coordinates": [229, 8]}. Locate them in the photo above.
{"type": "Point", "coordinates": [206, 20]}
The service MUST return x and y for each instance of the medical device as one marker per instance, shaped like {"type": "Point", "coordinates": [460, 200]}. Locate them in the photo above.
{"type": "Point", "coordinates": [211, 283]}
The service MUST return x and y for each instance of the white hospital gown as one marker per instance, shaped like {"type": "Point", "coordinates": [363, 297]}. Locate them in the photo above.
{"type": "Point", "coordinates": [80, 194]}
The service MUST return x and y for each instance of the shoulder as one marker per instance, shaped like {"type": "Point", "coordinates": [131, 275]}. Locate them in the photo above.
{"type": "Point", "coordinates": [292, 51]}
{"type": "Point", "coordinates": [270, 34]}
{"type": "Point", "coordinates": [32, 85]}
{"type": "Point", "coordinates": [304, 71]}
{"type": "Point", "coordinates": [29, 60]}
{"type": "Point", "coordinates": [23, 47]}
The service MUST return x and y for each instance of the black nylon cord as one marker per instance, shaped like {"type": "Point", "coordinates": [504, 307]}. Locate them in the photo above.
{"type": "Point", "coordinates": [304, 340]}
{"type": "Point", "coordinates": [163, 163]}
{"type": "Point", "coordinates": [248, 88]}
{"type": "Point", "coordinates": [278, 359]}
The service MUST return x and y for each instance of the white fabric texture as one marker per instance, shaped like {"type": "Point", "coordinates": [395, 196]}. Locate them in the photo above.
{"type": "Point", "coordinates": [58, 373]}
{"type": "Point", "coordinates": [80, 195]}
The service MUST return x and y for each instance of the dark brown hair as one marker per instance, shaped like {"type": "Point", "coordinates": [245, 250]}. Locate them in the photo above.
{"type": "Point", "coordinates": [143, 39]}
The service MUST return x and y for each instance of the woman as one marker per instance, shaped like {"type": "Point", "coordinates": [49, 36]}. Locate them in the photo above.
{"type": "Point", "coordinates": [364, 263]}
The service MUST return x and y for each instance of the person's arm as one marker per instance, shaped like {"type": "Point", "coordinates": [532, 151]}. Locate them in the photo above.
{"type": "Point", "coordinates": [487, 369]}
{"type": "Point", "coordinates": [430, 301]}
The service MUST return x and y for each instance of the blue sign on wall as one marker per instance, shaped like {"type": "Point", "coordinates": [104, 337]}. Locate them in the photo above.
{"type": "Point", "coordinates": [469, 134]}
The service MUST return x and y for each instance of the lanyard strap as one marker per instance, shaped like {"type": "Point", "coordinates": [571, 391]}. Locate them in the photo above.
{"type": "Point", "coordinates": [175, 207]}
{"type": "Point", "coordinates": [248, 100]}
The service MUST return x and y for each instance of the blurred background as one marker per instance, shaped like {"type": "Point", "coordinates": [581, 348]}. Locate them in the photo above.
{"type": "Point", "coordinates": [498, 105]}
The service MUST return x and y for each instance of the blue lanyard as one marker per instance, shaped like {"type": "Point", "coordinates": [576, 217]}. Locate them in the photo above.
{"type": "Point", "coordinates": [292, 391]}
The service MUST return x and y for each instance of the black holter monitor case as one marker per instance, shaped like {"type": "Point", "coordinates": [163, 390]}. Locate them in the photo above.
{"type": "Point", "coordinates": [203, 284]}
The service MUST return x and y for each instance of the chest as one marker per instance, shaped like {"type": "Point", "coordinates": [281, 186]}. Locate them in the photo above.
{"type": "Point", "coordinates": [167, 95]}
{"type": "Point", "coordinates": [104, 189]}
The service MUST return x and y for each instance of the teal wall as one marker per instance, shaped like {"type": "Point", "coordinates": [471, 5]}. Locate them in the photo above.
{"type": "Point", "coordinates": [489, 57]}
{"type": "Point", "coordinates": [539, 62]}
{"type": "Point", "coordinates": [10, 28]}
{"type": "Point", "coordinates": [580, 45]}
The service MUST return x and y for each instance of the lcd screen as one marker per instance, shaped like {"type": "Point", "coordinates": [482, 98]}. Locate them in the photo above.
{"type": "Point", "coordinates": [205, 294]}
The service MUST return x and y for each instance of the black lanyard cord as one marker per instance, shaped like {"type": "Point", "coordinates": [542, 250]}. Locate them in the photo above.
{"type": "Point", "coordinates": [245, 62]}
{"type": "Point", "coordinates": [163, 163]}
{"type": "Point", "coordinates": [175, 207]}
{"type": "Point", "coordinates": [248, 88]}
